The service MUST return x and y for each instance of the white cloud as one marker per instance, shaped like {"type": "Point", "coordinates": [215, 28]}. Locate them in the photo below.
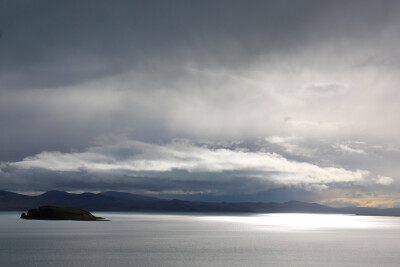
{"type": "Point", "coordinates": [348, 149]}
{"type": "Point", "coordinates": [286, 142]}
{"type": "Point", "coordinates": [384, 180]}
{"type": "Point", "coordinates": [184, 155]}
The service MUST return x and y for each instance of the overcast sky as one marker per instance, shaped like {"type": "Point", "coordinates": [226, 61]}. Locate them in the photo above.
{"type": "Point", "coordinates": [210, 100]}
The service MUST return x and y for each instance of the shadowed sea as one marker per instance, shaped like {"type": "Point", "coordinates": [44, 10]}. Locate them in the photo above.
{"type": "Point", "coordinates": [201, 239]}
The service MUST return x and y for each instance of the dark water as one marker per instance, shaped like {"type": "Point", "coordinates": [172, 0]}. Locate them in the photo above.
{"type": "Point", "coordinates": [137, 239]}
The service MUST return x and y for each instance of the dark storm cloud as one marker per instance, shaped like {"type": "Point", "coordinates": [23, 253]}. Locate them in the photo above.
{"type": "Point", "coordinates": [153, 183]}
{"type": "Point", "coordinates": [47, 44]}
{"type": "Point", "coordinates": [51, 44]}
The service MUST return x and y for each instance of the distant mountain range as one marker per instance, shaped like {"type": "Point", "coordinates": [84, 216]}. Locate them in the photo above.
{"type": "Point", "coordinates": [122, 201]}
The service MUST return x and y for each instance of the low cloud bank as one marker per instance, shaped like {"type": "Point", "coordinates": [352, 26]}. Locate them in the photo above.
{"type": "Point", "coordinates": [131, 157]}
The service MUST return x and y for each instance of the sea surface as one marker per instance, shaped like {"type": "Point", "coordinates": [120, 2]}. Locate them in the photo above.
{"type": "Point", "coordinates": [198, 239]}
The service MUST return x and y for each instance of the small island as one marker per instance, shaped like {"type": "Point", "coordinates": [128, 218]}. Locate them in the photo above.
{"type": "Point", "coordinates": [60, 213]}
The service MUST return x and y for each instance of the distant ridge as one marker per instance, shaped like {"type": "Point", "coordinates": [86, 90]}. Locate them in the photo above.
{"type": "Point", "coordinates": [123, 201]}
{"type": "Point", "coordinates": [128, 196]}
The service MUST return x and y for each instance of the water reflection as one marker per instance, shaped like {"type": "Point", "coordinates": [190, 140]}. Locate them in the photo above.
{"type": "Point", "coordinates": [287, 221]}
{"type": "Point", "coordinates": [272, 221]}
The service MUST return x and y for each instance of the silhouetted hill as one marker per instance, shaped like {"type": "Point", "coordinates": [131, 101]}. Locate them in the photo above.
{"type": "Point", "coordinates": [13, 201]}
{"type": "Point", "coordinates": [122, 201]}
{"type": "Point", "coordinates": [298, 206]}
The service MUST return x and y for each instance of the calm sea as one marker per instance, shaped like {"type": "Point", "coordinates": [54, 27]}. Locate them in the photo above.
{"type": "Point", "coordinates": [154, 239]}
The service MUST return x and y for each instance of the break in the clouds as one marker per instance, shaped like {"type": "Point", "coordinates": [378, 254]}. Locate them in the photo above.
{"type": "Point", "coordinates": [267, 94]}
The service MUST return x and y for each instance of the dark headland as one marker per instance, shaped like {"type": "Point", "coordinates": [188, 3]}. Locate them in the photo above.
{"type": "Point", "coordinates": [60, 213]}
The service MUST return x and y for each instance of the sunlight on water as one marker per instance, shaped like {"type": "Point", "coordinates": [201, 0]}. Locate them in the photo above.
{"type": "Point", "coordinates": [280, 221]}
{"type": "Point", "coordinates": [295, 221]}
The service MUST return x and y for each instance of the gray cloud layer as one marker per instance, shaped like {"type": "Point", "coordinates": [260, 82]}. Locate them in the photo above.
{"type": "Point", "coordinates": [313, 83]}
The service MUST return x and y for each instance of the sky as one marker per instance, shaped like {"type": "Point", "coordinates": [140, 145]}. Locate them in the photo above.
{"type": "Point", "coordinates": [203, 100]}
